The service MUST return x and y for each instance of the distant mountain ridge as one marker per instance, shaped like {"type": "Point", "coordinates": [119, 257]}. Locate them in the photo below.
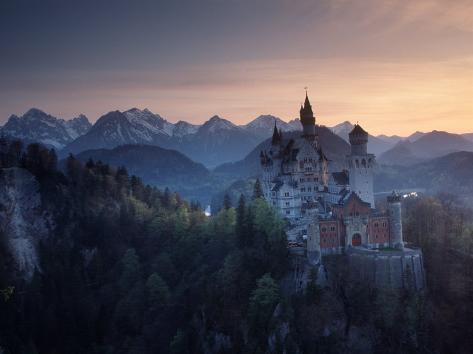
{"type": "Point", "coordinates": [451, 173]}
{"type": "Point", "coordinates": [213, 143]}
{"type": "Point", "coordinates": [38, 126]}
{"type": "Point", "coordinates": [428, 146]}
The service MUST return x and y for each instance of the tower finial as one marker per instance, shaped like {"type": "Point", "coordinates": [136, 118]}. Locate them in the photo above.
{"type": "Point", "coordinates": [306, 88]}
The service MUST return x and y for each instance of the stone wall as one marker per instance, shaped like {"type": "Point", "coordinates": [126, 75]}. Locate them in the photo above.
{"type": "Point", "coordinates": [387, 268]}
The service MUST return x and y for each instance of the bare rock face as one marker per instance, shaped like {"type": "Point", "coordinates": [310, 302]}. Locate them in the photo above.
{"type": "Point", "coordinates": [23, 222]}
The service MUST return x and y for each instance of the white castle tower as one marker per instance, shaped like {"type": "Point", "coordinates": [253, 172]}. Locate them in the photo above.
{"type": "Point", "coordinates": [360, 165]}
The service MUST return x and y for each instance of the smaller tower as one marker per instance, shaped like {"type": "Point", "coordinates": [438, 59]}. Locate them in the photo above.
{"type": "Point", "coordinates": [360, 165]}
{"type": "Point", "coordinates": [395, 221]}
{"type": "Point", "coordinates": [307, 119]}
{"type": "Point", "coordinates": [358, 140]}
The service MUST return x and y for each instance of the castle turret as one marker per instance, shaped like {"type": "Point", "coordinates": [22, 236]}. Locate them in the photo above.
{"type": "Point", "coordinates": [360, 165]}
{"type": "Point", "coordinates": [358, 140]}
{"type": "Point", "coordinates": [395, 221]}
{"type": "Point", "coordinates": [307, 119]}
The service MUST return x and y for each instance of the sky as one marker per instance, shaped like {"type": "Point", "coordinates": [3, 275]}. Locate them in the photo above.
{"type": "Point", "coordinates": [393, 66]}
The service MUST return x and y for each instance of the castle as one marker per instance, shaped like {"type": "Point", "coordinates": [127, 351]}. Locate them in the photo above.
{"type": "Point", "coordinates": [332, 212]}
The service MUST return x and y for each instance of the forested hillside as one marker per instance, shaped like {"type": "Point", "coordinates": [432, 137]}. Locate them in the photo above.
{"type": "Point", "coordinates": [160, 167]}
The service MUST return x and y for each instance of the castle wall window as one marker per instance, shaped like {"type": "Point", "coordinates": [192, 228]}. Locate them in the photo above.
{"type": "Point", "coordinates": [286, 194]}
{"type": "Point", "coordinates": [287, 203]}
{"type": "Point", "coordinates": [288, 212]}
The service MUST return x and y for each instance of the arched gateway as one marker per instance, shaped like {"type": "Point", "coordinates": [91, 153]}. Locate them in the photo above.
{"type": "Point", "coordinates": [356, 240]}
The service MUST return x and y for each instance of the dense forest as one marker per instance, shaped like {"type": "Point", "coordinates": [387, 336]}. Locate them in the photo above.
{"type": "Point", "coordinates": [133, 269]}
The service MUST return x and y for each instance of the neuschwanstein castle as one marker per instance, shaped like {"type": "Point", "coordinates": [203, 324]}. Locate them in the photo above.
{"type": "Point", "coordinates": [333, 211]}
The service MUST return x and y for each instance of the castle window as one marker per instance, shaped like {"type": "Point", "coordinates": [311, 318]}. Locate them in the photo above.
{"type": "Point", "coordinates": [288, 212]}
{"type": "Point", "coordinates": [357, 213]}
{"type": "Point", "coordinates": [363, 163]}
{"type": "Point", "coordinates": [324, 229]}
{"type": "Point", "coordinates": [357, 163]}
{"type": "Point", "coordinates": [309, 189]}
{"type": "Point", "coordinates": [287, 203]}
{"type": "Point", "coordinates": [332, 228]}
{"type": "Point", "coordinates": [286, 194]}
{"type": "Point", "coordinates": [375, 224]}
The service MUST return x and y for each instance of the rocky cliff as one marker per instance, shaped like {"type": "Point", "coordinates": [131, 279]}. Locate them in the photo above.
{"type": "Point", "coordinates": [23, 222]}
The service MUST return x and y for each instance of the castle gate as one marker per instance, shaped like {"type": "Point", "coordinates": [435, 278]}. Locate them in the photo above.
{"type": "Point", "coordinates": [356, 240]}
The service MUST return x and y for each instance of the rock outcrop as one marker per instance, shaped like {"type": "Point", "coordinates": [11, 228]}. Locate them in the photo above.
{"type": "Point", "coordinates": [23, 222]}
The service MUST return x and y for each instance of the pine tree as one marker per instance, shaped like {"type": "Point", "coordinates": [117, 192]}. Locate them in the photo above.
{"type": "Point", "coordinates": [227, 203]}
{"type": "Point", "coordinates": [130, 270]}
{"type": "Point", "coordinates": [263, 301]}
{"type": "Point", "coordinates": [241, 228]}
{"type": "Point", "coordinates": [157, 291]}
{"type": "Point", "coordinates": [258, 190]}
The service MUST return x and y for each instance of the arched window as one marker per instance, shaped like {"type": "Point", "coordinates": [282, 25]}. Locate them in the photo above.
{"type": "Point", "coordinates": [363, 163]}
{"type": "Point", "coordinates": [357, 163]}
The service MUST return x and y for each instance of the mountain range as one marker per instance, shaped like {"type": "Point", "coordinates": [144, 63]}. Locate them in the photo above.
{"type": "Point", "coordinates": [213, 143]}
{"type": "Point", "coordinates": [427, 146]}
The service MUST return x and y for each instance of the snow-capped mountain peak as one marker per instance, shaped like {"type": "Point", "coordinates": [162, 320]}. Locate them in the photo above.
{"type": "Point", "coordinates": [216, 123]}
{"type": "Point", "coordinates": [343, 128]}
{"type": "Point", "coordinates": [183, 128]}
{"type": "Point", "coordinates": [38, 126]}
{"type": "Point", "coordinates": [148, 123]}
{"type": "Point", "coordinates": [262, 126]}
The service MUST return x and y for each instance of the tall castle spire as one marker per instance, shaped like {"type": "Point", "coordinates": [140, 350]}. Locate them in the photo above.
{"type": "Point", "coordinates": [307, 118]}
{"type": "Point", "coordinates": [276, 135]}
